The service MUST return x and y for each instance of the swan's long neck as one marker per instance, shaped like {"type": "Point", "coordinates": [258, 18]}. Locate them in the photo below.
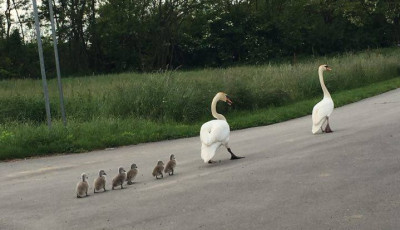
{"type": "Point", "coordinates": [321, 80]}
{"type": "Point", "coordinates": [214, 109]}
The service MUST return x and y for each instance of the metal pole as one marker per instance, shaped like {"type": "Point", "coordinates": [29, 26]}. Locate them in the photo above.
{"type": "Point", "coordinates": [40, 49]}
{"type": "Point", "coordinates": [60, 89]}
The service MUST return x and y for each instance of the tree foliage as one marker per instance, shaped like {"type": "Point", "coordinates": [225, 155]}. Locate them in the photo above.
{"type": "Point", "coordinates": [101, 36]}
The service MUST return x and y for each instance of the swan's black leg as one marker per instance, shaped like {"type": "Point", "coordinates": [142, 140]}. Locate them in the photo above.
{"type": "Point", "coordinates": [233, 156]}
{"type": "Point", "coordinates": [211, 162]}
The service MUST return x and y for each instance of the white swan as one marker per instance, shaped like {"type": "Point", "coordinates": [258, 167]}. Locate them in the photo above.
{"type": "Point", "coordinates": [215, 132]}
{"type": "Point", "coordinates": [323, 109]}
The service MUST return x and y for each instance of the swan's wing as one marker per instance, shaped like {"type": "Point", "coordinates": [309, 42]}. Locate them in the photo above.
{"type": "Point", "coordinates": [208, 151]}
{"type": "Point", "coordinates": [214, 131]}
{"type": "Point", "coordinates": [321, 110]}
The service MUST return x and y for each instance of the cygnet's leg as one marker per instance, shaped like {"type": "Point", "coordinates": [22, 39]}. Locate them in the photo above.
{"type": "Point", "coordinates": [233, 156]}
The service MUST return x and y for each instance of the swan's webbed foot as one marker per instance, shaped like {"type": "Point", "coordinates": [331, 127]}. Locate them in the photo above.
{"type": "Point", "coordinates": [211, 162]}
{"type": "Point", "coordinates": [233, 156]}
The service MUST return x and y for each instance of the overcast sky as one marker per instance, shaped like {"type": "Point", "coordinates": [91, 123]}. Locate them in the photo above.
{"type": "Point", "coordinates": [29, 34]}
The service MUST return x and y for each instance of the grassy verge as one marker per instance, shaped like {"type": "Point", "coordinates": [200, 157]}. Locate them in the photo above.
{"type": "Point", "coordinates": [184, 96]}
{"type": "Point", "coordinates": [19, 140]}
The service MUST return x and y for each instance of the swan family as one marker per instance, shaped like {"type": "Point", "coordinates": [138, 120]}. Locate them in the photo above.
{"type": "Point", "coordinates": [215, 133]}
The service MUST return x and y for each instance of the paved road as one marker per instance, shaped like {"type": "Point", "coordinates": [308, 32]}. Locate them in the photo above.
{"type": "Point", "coordinates": [290, 179]}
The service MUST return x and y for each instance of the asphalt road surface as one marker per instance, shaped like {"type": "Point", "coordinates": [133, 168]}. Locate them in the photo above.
{"type": "Point", "coordinates": [290, 179]}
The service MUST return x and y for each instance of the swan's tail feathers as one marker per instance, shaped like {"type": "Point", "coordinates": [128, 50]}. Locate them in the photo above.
{"type": "Point", "coordinates": [208, 151]}
{"type": "Point", "coordinates": [205, 135]}
{"type": "Point", "coordinates": [316, 128]}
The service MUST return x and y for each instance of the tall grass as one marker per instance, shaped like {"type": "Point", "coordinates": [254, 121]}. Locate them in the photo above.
{"type": "Point", "coordinates": [129, 108]}
{"type": "Point", "coordinates": [185, 96]}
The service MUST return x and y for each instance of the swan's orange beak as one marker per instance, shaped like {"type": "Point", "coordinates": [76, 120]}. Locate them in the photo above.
{"type": "Point", "coordinates": [328, 68]}
{"type": "Point", "coordinates": [228, 100]}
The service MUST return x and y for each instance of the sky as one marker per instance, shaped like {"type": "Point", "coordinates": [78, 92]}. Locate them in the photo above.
{"type": "Point", "coordinates": [29, 33]}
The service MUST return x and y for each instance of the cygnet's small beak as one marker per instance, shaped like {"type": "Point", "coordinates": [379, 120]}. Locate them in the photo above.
{"type": "Point", "coordinates": [228, 100]}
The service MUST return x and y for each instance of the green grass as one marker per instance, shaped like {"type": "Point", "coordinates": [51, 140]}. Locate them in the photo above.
{"type": "Point", "coordinates": [114, 110]}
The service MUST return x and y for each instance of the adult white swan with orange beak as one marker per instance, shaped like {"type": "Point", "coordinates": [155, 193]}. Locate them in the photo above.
{"type": "Point", "coordinates": [215, 133]}
{"type": "Point", "coordinates": [323, 109]}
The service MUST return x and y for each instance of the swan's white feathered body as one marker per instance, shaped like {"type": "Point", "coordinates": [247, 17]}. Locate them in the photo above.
{"type": "Point", "coordinates": [320, 113]}
{"type": "Point", "coordinates": [215, 132]}
{"type": "Point", "coordinates": [212, 135]}
{"type": "Point", "coordinates": [323, 109]}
